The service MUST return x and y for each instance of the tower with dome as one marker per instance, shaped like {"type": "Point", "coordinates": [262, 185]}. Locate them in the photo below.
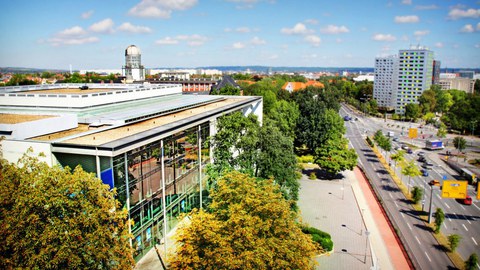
{"type": "Point", "coordinates": [133, 69]}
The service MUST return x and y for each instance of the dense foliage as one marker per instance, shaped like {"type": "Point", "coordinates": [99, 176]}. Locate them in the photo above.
{"type": "Point", "coordinates": [55, 218]}
{"type": "Point", "coordinates": [248, 225]}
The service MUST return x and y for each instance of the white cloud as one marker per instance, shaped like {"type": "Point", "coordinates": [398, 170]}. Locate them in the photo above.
{"type": "Point", "coordinates": [407, 2]}
{"type": "Point", "coordinates": [71, 36]}
{"type": "Point", "coordinates": [192, 40]}
{"type": "Point", "coordinates": [298, 29]}
{"type": "Point", "coordinates": [239, 45]}
{"type": "Point", "coordinates": [87, 14]}
{"type": "Point", "coordinates": [419, 33]}
{"type": "Point", "coordinates": [334, 29]}
{"type": "Point", "coordinates": [407, 19]}
{"type": "Point", "coordinates": [243, 30]}
{"type": "Point", "coordinates": [74, 31]}
{"type": "Point", "coordinates": [160, 8]}
{"type": "Point", "coordinates": [137, 29]}
{"type": "Point", "coordinates": [257, 41]}
{"type": "Point", "coordinates": [439, 45]}
{"type": "Point", "coordinates": [458, 13]}
{"type": "Point", "coordinates": [167, 41]}
{"type": "Point", "coordinates": [339, 40]}
{"type": "Point", "coordinates": [426, 7]}
{"type": "Point", "coordinates": [477, 45]}
{"type": "Point", "coordinates": [468, 28]}
{"type": "Point", "coordinates": [313, 39]}
{"type": "Point", "coordinates": [248, 4]}
{"type": "Point", "coordinates": [478, 26]}
{"type": "Point", "coordinates": [311, 21]}
{"type": "Point", "coordinates": [384, 37]}
{"type": "Point", "coordinates": [103, 26]}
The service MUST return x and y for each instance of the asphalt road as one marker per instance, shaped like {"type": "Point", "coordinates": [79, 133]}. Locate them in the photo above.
{"type": "Point", "coordinates": [418, 240]}
{"type": "Point", "coordinates": [461, 219]}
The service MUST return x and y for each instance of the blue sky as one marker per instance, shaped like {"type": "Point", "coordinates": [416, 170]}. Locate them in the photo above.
{"type": "Point", "coordinates": [92, 34]}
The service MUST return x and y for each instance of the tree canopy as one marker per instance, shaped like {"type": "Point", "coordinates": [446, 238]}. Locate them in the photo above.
{"type": "Point", "coordinates": [55, 218]}
{"type": "Point", "coordinates": [248, 225]}
{"type": "Point", "coordinates": [334, 156]}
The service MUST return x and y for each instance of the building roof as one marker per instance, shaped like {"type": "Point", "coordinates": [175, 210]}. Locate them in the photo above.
{"type": "Point", "coordinates": [226, 80]}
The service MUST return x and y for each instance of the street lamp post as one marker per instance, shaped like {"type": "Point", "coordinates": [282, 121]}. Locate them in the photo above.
{"type": "Point", "coordinates": [430, 207]}
{"type": "Point", "coordinates": [367, 233]}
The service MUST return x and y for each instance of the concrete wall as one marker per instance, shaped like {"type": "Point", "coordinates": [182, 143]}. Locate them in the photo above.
{"type": "Point", "coordinates": [13, 150]}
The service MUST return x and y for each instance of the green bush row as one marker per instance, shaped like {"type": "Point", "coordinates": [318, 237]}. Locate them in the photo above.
{"type": "Point", "coordinates": [305, 159]}
{"type": "Point", "coordinates": [320, 237]}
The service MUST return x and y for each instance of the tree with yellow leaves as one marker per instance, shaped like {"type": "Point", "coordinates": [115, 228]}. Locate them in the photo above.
{"type": "Point", "coordinates": [53, 218]}
{"type": "Point", "coordinates": [248, 225]}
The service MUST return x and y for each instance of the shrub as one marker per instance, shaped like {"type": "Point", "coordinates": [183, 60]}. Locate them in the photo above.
{"type": "Point", "coordinates": [312, 176]}
{"type": "Point", "coordinates": [305, 159]}
{"type": "Point", "coordinates": [320, 237]}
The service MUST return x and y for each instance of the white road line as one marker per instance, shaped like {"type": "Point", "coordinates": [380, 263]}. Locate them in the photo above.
{"type": "Point", "coordinates": [390, 195]}
{"type": "Point", "coordinates": [476, 206]}
{"type": "Point", "coordinates": [473, 239]}
{"type": "Point", "coordinates": [395, 204]}
{"type": "Point", "coordinates": [409, 226]}
{"type": "Point", "coordinates": [403, 216]}
{"type": "Point", "coordinates": [449, 219]}
{"type": "Point", "coordinates": [464, 227]}
{"type": "Point", "coordinates": [447, 206]}
{"type": "Point", "coordinates": [469, 221]}
{"type": "Point", "coordinates": [438, 196]}
{"type": "Point", "coordinates": [418, 240]}
{"type": "Point", "coordinates": [445, 225]}
{"type": "Point", "coordinates": [427, 256]}
{"type": "Point", "coordinates": [462, 207]}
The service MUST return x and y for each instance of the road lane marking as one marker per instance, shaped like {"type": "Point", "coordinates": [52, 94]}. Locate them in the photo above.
{"type": "Point", "coordinates": [464, 227]}
{"type": "Point", "coordinates": [445, 225]}
{"type": "Point", "coordinates": [462, 207]}
{"type": "Point", "coordinates": [447, 206]}
{"type": "Point", "coordinates": [476, 206]}
{"type": "Point", "coordinates": [409, 226]}
{"type": "Point", "coordinates": [395, 204]}
{"type": "Point", "coordinates": [427, 256]}
{"type": "Point", "coordinates": [438, 196]}
{"type": "Point", "coordinates": [403, 216]}
{"type": "Point", "coordinates": [473, 239]}
{"type": "Point", "coordinates": [390, 195]}
{"type": "Point", "coordinates": [418, 240]}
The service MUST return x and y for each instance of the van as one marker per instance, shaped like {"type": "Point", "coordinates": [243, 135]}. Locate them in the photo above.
{"type": "Point", "coordinates": [391, 134]}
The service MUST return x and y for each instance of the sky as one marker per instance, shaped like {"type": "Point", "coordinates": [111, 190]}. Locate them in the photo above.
{"type": "Point", "coordinates": [93, 34]}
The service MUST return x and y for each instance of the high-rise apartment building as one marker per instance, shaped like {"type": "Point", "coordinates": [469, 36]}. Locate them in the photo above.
{"type": "Point", "coordinates": [415, 70]}
{"type": "Point", "coordinates": [385, 81]}
{"type": "Point", "coordinates": [401, 80]}
{"type": "Point", "coordinates": [436, 72]}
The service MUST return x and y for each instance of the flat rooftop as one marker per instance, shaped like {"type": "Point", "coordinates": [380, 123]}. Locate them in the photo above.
{"type": "Point", "coordinates": [12, 118]}
{"type": "Point", "coordinates": [72, 91]}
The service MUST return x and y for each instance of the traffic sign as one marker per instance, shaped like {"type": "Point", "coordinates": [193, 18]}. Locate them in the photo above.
{"type": "Point", "coordinates": [444, 177]}
{"type": "Point", "coordinates": [412, 133]}
{"type": "Point", "coordinates": [454, 189]}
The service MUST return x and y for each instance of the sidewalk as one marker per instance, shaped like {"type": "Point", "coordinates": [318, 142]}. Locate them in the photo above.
{"type": "Point", "coordinates": [346, 209]}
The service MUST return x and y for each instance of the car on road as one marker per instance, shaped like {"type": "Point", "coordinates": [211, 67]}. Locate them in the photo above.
{"type": "Point", "coordinates": [395, 139]}
{"type": "Point", "coordinates": [404, 147]}
{"type": "Point", "coordinates": [434, 183]}
{"type": "Point", "coordinates": [429, 163]}
{"type": "Point", "coordinates": [422, 159]}
{"type": "Point", "coordinates": [425, 173]}
{"type": "Point", "coordinates": [409, 151]}
{"type": "Point", "coordinates": [421, 154]}
{"type": "Point", "coordinates": [397, 148]}
{"type": "Point", "coordinates": [466, 201]}
{"type": "Point", "coordinates": [426, 166]}
{"type": "Point", "coordinates": [347, 118]}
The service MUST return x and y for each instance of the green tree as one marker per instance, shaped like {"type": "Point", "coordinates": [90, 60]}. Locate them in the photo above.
{"type": "Point", "coordinates": [248, 226]}
{"type": "Point", "coordinates": [444, 101]}
{"type": "Point", "coordinates": [285, 115]}
{"type": "Point", "coordinates": [472, 261]}
{"type": "Point", "coordinates": [439, 218]}
{"type": "Point", "coordinates": [398, 157]}
{"type": "Point", "coordinates": [428, 101]}
{"type": "Point", "coordinates": [334, 156]}
{"type": "Point", "coordinates": [417, 194]}
{"type": "Point", "coordinates": [277, 160]}
{"type": "Point", "coordinates": [412, 111]}
{"type": "Point", "coordinates": [442, 130]}
{"type": "Point", "coordinates": [383, 142]}
{"type": "Point", "coordinates": [454, 241]}
{"type": "Point", "coordinates": [55, 218]}
{"type": "Point", "coordinates": [411, 170]}
{"type": "Point", "coordinates": [228, 90]}
{"type": "Point", "coordinates": [459, 143]}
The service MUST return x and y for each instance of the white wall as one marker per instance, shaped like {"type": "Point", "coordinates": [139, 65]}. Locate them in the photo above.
{"type": "Point", "coordinates": [13, 150]}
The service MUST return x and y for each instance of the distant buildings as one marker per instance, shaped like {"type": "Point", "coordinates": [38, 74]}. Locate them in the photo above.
{"type": "Point", "coordinates": [295, 86]}
{"type": "Point", "coordinates": [463, 84]}
{"type": "Point", "coordinates": [404, 78]}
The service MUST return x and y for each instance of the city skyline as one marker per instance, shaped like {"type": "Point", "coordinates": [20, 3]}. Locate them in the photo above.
{"type": "Point", "coordinates": [193, 33]}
